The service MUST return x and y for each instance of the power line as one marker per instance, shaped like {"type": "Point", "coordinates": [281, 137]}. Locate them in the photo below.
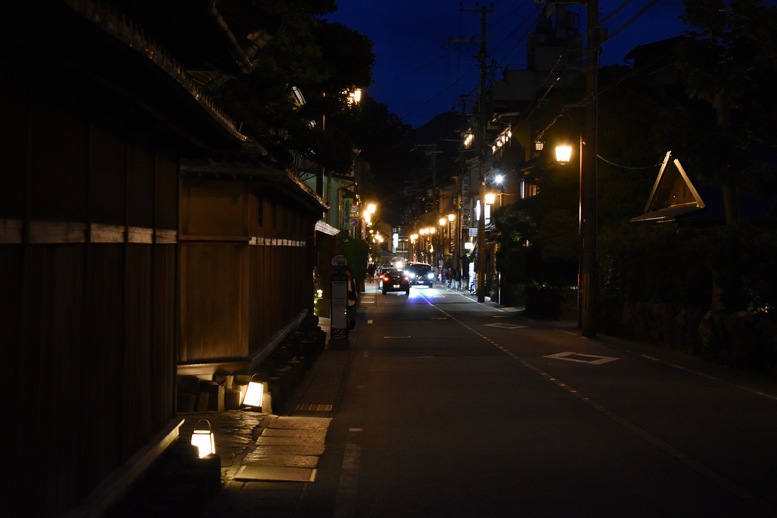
{"type": "Point", "coordinates": [631, 20]}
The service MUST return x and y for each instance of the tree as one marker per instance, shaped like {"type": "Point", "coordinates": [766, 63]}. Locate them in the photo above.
{"type": "Point", "coordinates": [324, 61]}
{"type": "Point", "coordinates": [728, 60]}
{"type": "Point", "coordinates": [357, 252]}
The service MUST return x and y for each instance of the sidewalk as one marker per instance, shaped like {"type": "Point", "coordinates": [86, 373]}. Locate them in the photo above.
{"type": "Point", "coordinates": [267, 459]}
{"type": "Point", "coordinates": [264, 459]}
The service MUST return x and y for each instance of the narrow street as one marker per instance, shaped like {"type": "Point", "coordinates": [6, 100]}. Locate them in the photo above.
{"type": "Point", "coordinates": [456, 408]}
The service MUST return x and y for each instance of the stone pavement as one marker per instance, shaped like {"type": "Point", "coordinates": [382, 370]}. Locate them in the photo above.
{"type": "Point", "coordinates": [267, 459]}
{"type": "Point", "coordinates": [263, 459]}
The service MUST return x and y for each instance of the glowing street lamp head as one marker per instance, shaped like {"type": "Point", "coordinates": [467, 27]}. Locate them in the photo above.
{"type": "Point", "coordinates": [563, 153]}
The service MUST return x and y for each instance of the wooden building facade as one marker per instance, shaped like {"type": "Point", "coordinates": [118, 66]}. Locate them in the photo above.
{"type": "Point", "coordinates": [124, 252]}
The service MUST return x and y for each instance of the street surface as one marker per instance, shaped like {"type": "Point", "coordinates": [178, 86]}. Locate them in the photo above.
{"type": "Point", "coordinates": [456, 408]}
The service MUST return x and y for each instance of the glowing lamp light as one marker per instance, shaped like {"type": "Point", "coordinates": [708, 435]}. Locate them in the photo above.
{"type": "Point", "coordinates": [204, 440]}
{"type": "Point", "coordinates": [355, 97]}
{"type": "Point", "coordinates": [563, 153]}
{"type": "Point", "coordinates": [490, 198]}
{"type": "Point", "coordinates": [254, 394]}
{"type": "Point", "coordinates": [298, 97]}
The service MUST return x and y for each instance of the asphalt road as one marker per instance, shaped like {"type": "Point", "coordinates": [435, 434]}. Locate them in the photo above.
{"type": "Point", "coordinates": [458, 408]}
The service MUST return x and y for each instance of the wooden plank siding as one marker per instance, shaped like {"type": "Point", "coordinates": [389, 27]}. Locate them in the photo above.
{"type": "Point", "coordinates": [246, 269]}
{"type": "Point", "coordinates": [87, 291]}
{"type": "Point", "coordinates": [116, 267]}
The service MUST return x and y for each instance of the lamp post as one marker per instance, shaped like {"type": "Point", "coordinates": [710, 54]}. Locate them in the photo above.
{"type": "Point", "coordinates": [588, 184]}
{"type": "Point", "coordinates": [451, 219]}
{"type": "Point", "coordinates": [422, 244]}
{"type": "Point", "coordinates": [441, 238]}
{"type": "Point", "coordinates": [564, 156]}
{"type": "Point", "coordinates": [430, 232]}
{"type": "Point", "coordinates": [481, 255]}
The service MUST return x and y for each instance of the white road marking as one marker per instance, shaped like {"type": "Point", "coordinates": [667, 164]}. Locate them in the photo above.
{"type": "Point", "coordinates": [591, 359]}
{"type": "Point", "coordinates": [506, 326]}
{"type": "Point", "coordinates": [349, 481]}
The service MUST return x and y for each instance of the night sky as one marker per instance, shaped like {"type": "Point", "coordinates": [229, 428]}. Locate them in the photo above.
{"type": "Point", "coordinates": [420, 71]}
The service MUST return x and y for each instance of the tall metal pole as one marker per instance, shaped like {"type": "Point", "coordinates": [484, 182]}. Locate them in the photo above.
{"type": "Point", "coordinates": [588, 185]}
{"type": "Point", "coordinates": [481, 146]}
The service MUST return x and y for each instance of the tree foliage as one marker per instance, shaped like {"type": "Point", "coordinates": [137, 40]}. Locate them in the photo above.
{"type": "Point", "coordinates": [322, 59]}
{"type": "Point", "coordinates": [728, 60]}
{"type": "Point", "coordinates": [357, 252]}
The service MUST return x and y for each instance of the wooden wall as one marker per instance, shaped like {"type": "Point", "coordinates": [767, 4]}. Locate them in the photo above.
{"type": "Point", "coordinates": [88, 262]}
{"type": "Point", "coordinates": [102, 294]}
{"type": "Point", "coordinates": [246, 268]}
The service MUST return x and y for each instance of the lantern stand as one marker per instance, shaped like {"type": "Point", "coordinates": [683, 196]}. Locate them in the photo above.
{"type": "Point", "coordinates": [254, 397]}
{"type": "Point", "coordinates": [204, 440]}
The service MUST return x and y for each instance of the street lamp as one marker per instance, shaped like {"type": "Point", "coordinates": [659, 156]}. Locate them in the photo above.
{"type": "Point", "coordinates": [440, 239]}
{"type": "Point", "coordinates": [481, 255]}
{"type": "Point", "coordinates": [451, 241]}
{"type": "Point", "coordinates": [422, 245]}
{"type": "Point", "coordinates": [588, 180]}
{"type": "Point", "coordinates": [564, 156]}
{"type": "Point", "coordinates": [430, 231]}
{"type": "Point", "coordinates": [586, 232]}
{"type": "Point", "coordinates": [563, 153]}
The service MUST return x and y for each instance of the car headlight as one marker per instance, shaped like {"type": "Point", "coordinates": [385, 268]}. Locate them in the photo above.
{"type": "Point", "coordinates": [430, 275]}
{"type": "Point", "coordinates": [411, 275]}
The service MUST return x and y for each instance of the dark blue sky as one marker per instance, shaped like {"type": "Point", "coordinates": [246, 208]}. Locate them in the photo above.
{"type": "Point", "coordinates": [420, 73]}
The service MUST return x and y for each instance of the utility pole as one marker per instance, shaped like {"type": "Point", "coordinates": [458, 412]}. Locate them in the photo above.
{"type": "Point", "coordinates": [480, 147]}
{"type": "Point", "coordinates": [588, 187]}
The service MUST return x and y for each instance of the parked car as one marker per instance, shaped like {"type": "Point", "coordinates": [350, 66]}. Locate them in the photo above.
{"type": "Point", "coordinates": [420, 274]}
{"type": "Point", "coordinates": [394, 280]}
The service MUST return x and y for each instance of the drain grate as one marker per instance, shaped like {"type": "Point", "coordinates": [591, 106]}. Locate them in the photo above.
{"type": "Point", "coordinates": [313, 407]}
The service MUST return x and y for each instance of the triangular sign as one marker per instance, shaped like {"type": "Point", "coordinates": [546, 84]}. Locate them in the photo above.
{"type": "Point", "coordinates": [673, 193]}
